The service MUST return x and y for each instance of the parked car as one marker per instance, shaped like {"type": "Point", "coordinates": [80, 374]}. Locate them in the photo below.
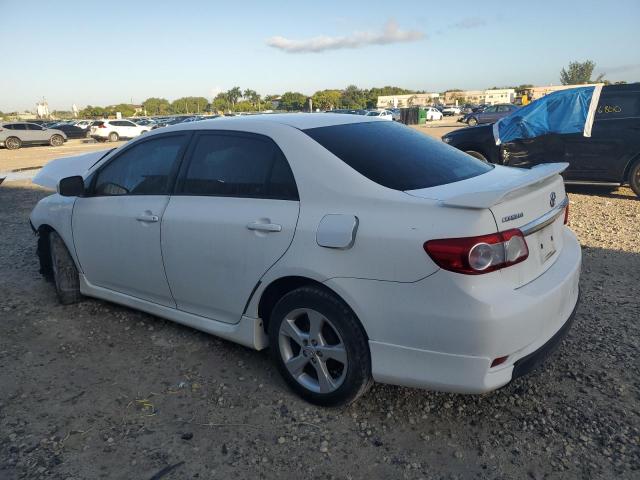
{"type": "Point", "coordinates": [611, 155]}
{"type": "Point", "coordinates": [14, 135]}
{"type": "Point", "coordinates": [357, 249]}
{"type": "Point", "coordinates": [451, 111]}
{"type": "Point", "coordinates": [85, 124]}
{"type": "Point", "coordinates": [382, 114]}
{"type": "Point", "coordinates": [433, 114]}
{"type": "Point", "coordinates": [71, 131]}
{"type": "Point", "coordinates": [114, 130]}
{"type": "Point", "coordinates": [490, 114]}
{"type": "Point", "coordinates": [395, 114]}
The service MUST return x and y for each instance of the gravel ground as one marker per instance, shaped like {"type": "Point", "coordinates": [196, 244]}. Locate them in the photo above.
{"type": "Point", "coordinates": [95, 390]}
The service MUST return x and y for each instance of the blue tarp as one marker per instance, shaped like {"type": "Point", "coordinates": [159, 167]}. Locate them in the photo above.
{"type": "Point", "coordinates": [564, 111]}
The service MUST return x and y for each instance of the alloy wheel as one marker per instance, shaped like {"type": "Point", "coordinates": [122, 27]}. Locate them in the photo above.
{"type": "Point", "coordinates": [312, 350]}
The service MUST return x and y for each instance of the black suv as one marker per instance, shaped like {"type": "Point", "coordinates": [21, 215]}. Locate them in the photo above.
{"type": "Point", "coordinates": [610, 156]}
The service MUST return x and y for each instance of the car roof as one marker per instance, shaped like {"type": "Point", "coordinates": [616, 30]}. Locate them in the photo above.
{"type": "Point", "coordinates": [301, 121]}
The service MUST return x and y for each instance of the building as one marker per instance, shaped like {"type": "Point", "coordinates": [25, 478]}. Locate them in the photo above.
{"type": "Point", "coordinates": [499, 95]}
{"type": "Point", "coordinates": [461, 97]}
{"type": "Point", "coordinates": [409, 100]}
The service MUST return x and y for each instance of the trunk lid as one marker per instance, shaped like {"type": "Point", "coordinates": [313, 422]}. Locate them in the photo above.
{"type": "Point", "coordinates": [531, 200]}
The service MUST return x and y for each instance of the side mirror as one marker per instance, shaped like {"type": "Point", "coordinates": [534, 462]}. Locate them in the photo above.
{"type": "Point", "coordinates": [71, 186]}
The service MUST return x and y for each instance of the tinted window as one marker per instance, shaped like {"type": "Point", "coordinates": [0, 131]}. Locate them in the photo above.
{"type": "Point", "coordinates": [127, 124]}
{"type": "Point", "coordinates": [617, 105]}
{"type": "Point", "coordinates": [33, 126]}
{"type": "Point", "coordinates": [490, 109]}
{"type": "Point", "coordinates": [19, 126]}
{"type": "Point", "coordinates": [143, 169]}
{"type": "Point", "coordinates": [396, 156]}
{"type": "Point", "coordinates": [8, 127]}
{"type": "Point", "coordinates": [239, 166]}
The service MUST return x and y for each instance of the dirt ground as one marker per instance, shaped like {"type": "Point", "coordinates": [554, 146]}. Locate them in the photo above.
{"type": "Point", "coordinates": [95, 390]}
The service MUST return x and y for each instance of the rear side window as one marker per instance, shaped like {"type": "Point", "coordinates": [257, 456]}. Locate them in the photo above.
{"type": "Point", "coordinates": [238, 166]}
{"type": "Point", "coordinates": [616, 105]}
{"type": "Point", "coordinates": [143, 169]}
{"type": "Point", "coordinates": [396, 156]}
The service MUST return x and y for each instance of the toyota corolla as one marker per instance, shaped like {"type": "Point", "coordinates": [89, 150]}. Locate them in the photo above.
{"type": "Point", "coordinates": [356, 249]}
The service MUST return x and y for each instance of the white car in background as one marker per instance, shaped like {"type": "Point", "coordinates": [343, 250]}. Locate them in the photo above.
{"type": "Point", "coordinates": [114, 130]}
{"type": "Point", "coordinates": [433, 114]}
{"type": "Point", "coordinates": [451, 110]}
{"type": "Point", "coordinates": [356, 249]}
{"type": "Point", "coordinates": [382, 114]}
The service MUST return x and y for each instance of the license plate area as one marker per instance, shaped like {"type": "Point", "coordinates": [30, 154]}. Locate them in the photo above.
{"type": "Point", "coordinates": [546, 243]}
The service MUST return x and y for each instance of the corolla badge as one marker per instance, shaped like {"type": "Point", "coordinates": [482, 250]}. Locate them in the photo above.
{"type": "Point", "coordinates": [514, 216]}
{"type": "Point", "coordinates": [552, 199]}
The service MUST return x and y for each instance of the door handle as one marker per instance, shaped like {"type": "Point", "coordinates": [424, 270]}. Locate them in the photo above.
{"type": "Point", "coordinates": [264, 227]}
{"type": "Point", "coordinates": [148, 218]}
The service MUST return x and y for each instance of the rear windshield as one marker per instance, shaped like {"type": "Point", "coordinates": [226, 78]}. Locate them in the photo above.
{"type": "Point", "coordinates": [396, 156]}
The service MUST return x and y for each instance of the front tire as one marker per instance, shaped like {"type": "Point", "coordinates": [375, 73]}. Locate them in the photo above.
{"type": "Point", "coordinates": [320, 347]}
{"type": "Point", "coordinates": [634, 178]}
{"type": "Point", "coordinates": [56, 141]}
{"type": "Point", "coordinates": [12, 143]}
{"type": "Point", "coordinates": [472, 122]}
{"type": "Point", "coordinates": [114, 137]}
{"type": "Point", "coordinates": [65, 273]}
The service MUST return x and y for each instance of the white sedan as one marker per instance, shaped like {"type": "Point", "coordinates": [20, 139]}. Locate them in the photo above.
{"type": "Point", "coordinates": [356, 249]}
{"type": "Point", "coordinates": [433, 114]}
{"type": "Point", "coordinates": [382, 114]}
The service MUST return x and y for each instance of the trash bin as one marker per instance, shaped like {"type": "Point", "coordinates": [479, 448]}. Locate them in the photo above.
{"type": "Point", "coordinates": [422, 116]}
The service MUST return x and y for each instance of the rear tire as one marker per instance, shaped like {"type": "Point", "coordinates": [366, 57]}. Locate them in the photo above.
{"type": "Point", "coordinates": [56, 140]}
{"type": "Point", "coordinates": [477, 155]}
{"type": "Point", "coordinates": [114, 137]}
{"type": "Point", "coordinates": [320, 347]}
{"type": "Point", "coordinates": [65, 273]}
{"type": "Point", "coordinates": [634, 178]}
{"type": "Point", "coordinates": [472, 122]}
{"type": "Point", "coordinates": [12, 143]}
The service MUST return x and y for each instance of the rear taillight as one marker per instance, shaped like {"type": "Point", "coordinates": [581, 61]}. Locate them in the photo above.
{"type": "Point", "coordinates": [566, 214]}
{"type": "Point", "coordinates": [477, 255]}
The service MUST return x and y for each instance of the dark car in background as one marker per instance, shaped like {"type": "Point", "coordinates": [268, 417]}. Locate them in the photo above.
{"type": "Point", "coordinates": [611, 155]}
{"type": "Point", "coordinates": [71, 131]}
{"type": "Point", "coordinates": [490, 114]}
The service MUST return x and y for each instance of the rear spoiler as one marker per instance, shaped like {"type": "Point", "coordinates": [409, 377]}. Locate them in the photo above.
{"type": "Point", "coordinates": [499, 192]}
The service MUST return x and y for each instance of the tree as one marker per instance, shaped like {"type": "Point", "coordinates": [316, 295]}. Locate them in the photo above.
{"type": "Point", "coordinates": [186, 105]}
{"type": "Point", "coordinates": [234, 94]}
{"type": "Point", "coordinates": [125, 109]}
{"type": "Point", "coordinates": [292, 101]}
{"type": "Point", "coordinates": [326, 99]}
{"type": "Point", "coordinates": [578, 73]}
{"type": "Point", "coordinates": [156, 106]}
{"type": "Point", "coordinates": [353, 97]}
{"type": "Point", "coordinates": [252, 97]}
{"type": "Point", "coordinates": [94, 112]}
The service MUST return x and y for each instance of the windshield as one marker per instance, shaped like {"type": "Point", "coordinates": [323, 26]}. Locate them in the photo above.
{"type": "Point", "coordinates": [396, 156]}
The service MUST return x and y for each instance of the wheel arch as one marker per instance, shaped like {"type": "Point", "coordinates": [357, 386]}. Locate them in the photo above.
{"type": "Point", "coordinates": [630, 165]}
{"type": "Point", "coordinates": [279, 287]}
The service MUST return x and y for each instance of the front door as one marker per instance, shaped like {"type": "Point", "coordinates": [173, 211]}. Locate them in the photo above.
{"type": "Point", "coordinates": [116, 228]}
{"type": "Point", "coordinates": [233, 215]}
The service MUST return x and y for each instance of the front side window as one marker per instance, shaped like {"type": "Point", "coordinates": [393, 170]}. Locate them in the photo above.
{"type": "Point", "coordinates": [33, 126]}
{"type": "Point", "coordinates": [143, 169]}
{"type": "Point", "coordinates": [396, 156]}
{"type": "Point", "coordinates": [238, 166]}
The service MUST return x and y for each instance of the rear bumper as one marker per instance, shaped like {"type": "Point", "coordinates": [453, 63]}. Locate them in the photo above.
{"type": "Point", "coordinates": [444, 331]}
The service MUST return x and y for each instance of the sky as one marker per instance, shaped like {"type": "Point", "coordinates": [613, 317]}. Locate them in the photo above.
{"type": "Point", "coordinates": [102, 53]}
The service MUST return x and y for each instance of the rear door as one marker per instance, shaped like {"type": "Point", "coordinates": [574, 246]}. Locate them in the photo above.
{"type": "Point", "coordinates": [232, 216]}
{"type": "Point", "coordinates": [615, 137]}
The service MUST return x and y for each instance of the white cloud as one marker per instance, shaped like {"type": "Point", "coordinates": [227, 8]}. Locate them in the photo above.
{"type": "Point", "coordinates": [390, 34]}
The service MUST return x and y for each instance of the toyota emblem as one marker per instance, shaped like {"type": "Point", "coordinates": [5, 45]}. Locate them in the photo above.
{"type": "Point", "coordinates": [552, 199]}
